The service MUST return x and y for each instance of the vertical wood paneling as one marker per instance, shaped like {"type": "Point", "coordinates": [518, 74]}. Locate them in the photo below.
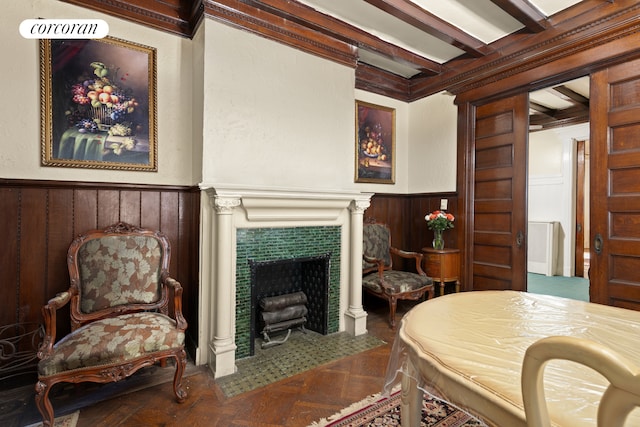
{"type": "Point", "coordinates": [40, 219]}
{"type": "Point", "coordinates": [33, 253]}
{"type": "Point", "coordinates": [189, 257]}
{"type": "Point", "coordinates": [85, 205]}
{"type": "Point", "coordinates": [149, 202]}
{"type": "Point", "coordinates": [9, 227]}
{"type": "Point", "coordinates": [169, 222]}
{"type": "Point", "coordinates": [60, 231]}
{"type": "Point", "coordinates": [130, 207]}
{"type": "Point", "coordinates": [108, 207]}
{"type": "Point", "coordinates": [404, 214]}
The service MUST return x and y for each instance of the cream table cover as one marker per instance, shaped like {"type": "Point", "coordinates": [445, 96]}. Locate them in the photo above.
{"type": "Point", "coordinates": [468, 348]}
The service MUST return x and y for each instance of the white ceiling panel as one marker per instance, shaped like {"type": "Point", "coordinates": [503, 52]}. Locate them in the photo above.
{"type": "Point", "coordinates": [550, 7]}
{"type": "Point", "coordinates": [386, 27]}
{"type": "Point", "coordinates": [479, 18]}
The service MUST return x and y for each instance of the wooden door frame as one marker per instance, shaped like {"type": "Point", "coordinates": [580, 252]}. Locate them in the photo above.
{"type": "Point", "coordinates": [580, 200]}
{"type": "Point", "coordinates": [466, 194]}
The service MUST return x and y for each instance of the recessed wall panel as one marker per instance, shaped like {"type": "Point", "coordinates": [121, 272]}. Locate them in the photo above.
{"type": "Point", "coordinates": [494, 125]}
{"type": "Point", "coordinates": [493, 190]}
{"type": "Point", "coordinates": [494, 157]}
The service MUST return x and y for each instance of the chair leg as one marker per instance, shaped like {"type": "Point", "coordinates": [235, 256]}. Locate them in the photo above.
{"type": "Point", "coordinates": [430, 293]}
{"type": "Point", "coordinates": [43, 404]}
{"type": "Point", "coordinates": [392, 311]}
{"type": "Point", "coordinates": [178, 389]}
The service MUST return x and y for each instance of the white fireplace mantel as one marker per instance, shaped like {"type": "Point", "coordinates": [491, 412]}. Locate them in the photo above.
{"type": "Point", "coordinates": [227, 208]}
{"type": "Point", "coordinates": [288, 205]}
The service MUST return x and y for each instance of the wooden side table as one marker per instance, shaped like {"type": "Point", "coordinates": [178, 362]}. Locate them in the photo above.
{"type": "Point", "coordinates": [442, 265]}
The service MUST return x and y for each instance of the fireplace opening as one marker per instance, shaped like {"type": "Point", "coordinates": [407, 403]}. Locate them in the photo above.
{"type": "Point", "coordinates": [309, 275]}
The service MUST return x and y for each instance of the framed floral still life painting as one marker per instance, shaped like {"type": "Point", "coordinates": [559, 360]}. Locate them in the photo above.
{"type": "Point", "coordinates": [98, 104]}
{"type": "Point", "coordinates": [375, 143]}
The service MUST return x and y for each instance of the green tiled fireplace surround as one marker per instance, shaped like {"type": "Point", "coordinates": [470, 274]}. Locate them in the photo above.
{"type": "Point", "coordinates": [268, 244]}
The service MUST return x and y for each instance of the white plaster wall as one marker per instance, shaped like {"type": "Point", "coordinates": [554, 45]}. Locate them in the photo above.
{"type": "Point", "coordinates": [552, 185]}
{"type": "Point", "coordinates": [197, 103]}
{"type": "Point", "coordinates": [274, 117]}
{"type": "Point", "coordinates": [233, 108]}
{"type": "Point", "coordinates": [20, 110]}
{"type": "Point", "coordinates": [403, 173]}
{"type": "Point", "coordinates": [433, 144]}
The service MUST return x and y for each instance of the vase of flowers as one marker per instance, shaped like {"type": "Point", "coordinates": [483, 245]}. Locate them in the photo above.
{"type": "Point", "coordinates": [438, 221]}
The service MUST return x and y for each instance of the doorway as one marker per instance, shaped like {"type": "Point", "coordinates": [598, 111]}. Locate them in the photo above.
{"type": "Point", "coordinates": [558, 188]}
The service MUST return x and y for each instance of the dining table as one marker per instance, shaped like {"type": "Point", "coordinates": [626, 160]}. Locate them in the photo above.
{"type": "Point", "coordinates": [467, 349]}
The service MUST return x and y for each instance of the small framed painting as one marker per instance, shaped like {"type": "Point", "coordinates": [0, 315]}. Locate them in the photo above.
{"type": "Point", "coordinates": [375, 143]}
{"type": "Point", "coordinates": [98, 104]}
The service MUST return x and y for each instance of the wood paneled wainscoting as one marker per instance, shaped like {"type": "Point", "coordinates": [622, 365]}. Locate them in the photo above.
{"type": "Point", "coordinates": [40, 219]}
{"type": "Point", "coordinates": [404, 214]}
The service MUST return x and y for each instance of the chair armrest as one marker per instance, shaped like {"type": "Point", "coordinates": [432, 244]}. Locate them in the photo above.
{"type": "Point", "coordinates": [408, 254]}
{"type": "Point", "coordinates": [372, 260]}
{"type": "Point", "coordinates": [49, 315]}
{"type": "Point", "coordinates": [380, 269]}
{"type": "Point", "coordinates": [181, 322]}
{"type": "Point", "coordinates": [380, 266]}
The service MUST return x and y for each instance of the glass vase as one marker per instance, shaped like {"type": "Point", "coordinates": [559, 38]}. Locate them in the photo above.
{"type": "Point", "coordinates": [438, 240]}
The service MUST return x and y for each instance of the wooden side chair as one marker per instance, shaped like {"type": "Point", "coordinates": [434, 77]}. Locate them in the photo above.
{"type": "Point", "coordinates": [122, 317]}
{"type": "Point", "coordinates": [379, 277]}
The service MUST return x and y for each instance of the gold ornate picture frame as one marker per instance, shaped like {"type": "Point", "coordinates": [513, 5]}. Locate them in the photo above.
{"type": "Point", "coordinates": [98, 104]}
{"type": "Point", "coordinates": [375, 143]}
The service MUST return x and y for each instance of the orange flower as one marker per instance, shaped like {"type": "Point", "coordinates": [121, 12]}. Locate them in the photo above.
{"type": "Point", "coordinates": [439, 220]}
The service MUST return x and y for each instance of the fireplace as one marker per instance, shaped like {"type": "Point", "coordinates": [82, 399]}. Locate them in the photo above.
{"type": "Point", "coordinates": [268, 225]}
{"type": "Point", "coordinates": [286, 276]}
{"type": "Point", "coordinates": [271, 248]}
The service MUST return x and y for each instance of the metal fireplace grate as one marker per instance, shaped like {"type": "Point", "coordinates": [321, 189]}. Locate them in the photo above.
{"type": "Point", "coordinates": [284, 276]}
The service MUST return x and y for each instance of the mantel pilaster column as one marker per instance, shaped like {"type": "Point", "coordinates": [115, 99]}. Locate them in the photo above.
{"type": "Point", "coordinates": [355, 316]}
{"type": "Point", "coordinates": [223, 346]}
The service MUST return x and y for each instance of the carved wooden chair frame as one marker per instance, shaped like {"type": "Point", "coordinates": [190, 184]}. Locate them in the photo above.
{"type": "Point", "coordinates": [381, 266]}
{"type": "Point", "coordinates": [161, 305]}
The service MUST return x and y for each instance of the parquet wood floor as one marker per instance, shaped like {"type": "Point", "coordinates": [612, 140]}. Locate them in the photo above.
{"type": "Point", "coordinates": [293, 402]}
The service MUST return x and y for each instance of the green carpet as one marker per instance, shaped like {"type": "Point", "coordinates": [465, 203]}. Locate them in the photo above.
{"type": "Point", "coordinates": [561, 286]}
{"type": "Point", "coordinates": [303, 351]}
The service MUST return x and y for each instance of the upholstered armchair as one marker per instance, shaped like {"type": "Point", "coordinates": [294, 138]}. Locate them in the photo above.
{"type": "Point", "coordinates": [379, 277]}
{"type": "Point", "coordinates": [122, 316]}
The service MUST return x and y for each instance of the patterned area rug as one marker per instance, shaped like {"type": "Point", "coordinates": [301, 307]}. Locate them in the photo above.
{"type": "Point", "coordinates": [376, 411]}
{"type": "Point", "coordinates": [65, 421]}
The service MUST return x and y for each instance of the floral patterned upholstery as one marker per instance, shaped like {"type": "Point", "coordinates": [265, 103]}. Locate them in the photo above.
{"type": "Point", "coordinates": [113, 340]}
{"type": "Point", "coordinates": [376, 241]}
{"type": "Point", "coordinates": [379, 277]}
{"type": "Point", "coordinates": [397, 282]}
{"type": "Point", "coordinates": [122, 317]}
{"type": "Point", "coordinates": [119, 270]}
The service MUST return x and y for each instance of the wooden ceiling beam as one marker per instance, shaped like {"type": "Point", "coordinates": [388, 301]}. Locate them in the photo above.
{"type": "Point", "coordinates": [421, 19]}
{"type": "Point", "coordinates": [524, 12]}
{"type": "Point", "coordinates": [571, 96]}
{"type": "Point", "coordinates": [246, 16]}
{"type": "Point", "coordinates": [174, 16]}
{"type": "Point", "coordinates": [585, 27]}
{"type": "Point", "coordinates": [375, 80]}
{"type": "Point", "coordinates": [325, 24]}
{"type": "Point", "coordinates": [549, 112]}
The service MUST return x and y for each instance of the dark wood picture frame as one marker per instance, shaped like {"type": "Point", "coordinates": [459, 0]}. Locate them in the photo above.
{"type": "Point", "coordinates": [375, 143]}
{"type": "Point", "coordinates": [98, 104]}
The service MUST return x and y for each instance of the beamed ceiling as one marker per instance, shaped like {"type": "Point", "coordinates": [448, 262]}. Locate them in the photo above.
{"type": "Point", "coordinates": [410, 49]}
